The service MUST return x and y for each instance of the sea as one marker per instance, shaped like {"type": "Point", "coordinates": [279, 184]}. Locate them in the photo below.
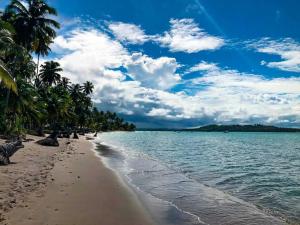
{"type": "Point", "coordinates": [210, 178]}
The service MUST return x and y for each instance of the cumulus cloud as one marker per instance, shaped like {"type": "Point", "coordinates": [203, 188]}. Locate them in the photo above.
{"type": "Point", "coordinates": [186, 36]}
{"type": "Point", "coordinates": [221, 95]}
{"type": "Point", "coordinates": [129, 33]}
{"type": "Point", "coordinates": [87, 54]}
{"type": "Point", "coordinates": [287, 49]}
{"type": "Point", "coordinates": [157, 73]}
{"type": "Point", "coordinates": [92, 54]}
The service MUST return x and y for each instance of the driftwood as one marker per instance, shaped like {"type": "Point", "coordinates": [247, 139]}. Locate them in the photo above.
{"type": "Point", "coordinates": [51, 140]}
{"type": "Point", "coordinates": [8, 150]}
{"type": "Point", "coordinates": [90, 138]}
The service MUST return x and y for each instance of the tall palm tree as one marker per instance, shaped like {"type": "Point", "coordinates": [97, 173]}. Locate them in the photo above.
{"type": "Point", "coordinates": [88, 87]}
{"type": "Point", "coordinates": [6, 43]}
{"type": "Point", "coordinates": [50, 73]}
{"type": "Point", "coordinates": [34, 29]}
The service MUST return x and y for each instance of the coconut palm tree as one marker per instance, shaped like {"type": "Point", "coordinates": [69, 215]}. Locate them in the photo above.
{"type": "Point", "coordinates": [50, 73]}
{"type": "Point", "coordinates": [34, 29]}
{"type": "Point", "coordinates": [88, 87]}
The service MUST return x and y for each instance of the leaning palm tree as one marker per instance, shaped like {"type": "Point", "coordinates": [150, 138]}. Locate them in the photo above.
{"type": "Point", "coordinates": [34, 29]}
{"type": "Point", "coordinates": [50, 73]}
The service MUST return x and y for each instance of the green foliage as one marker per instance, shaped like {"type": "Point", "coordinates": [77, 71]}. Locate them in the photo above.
{"type": "Point", "coordinates": [38, 101]}
{"type": "Point", "coordinates": [6, 43]}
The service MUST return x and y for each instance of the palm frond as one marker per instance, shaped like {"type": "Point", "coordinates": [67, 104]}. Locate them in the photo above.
{"type": "Point", "coordinates": [7, 79]}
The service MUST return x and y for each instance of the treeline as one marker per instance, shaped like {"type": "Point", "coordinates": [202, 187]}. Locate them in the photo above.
{"type": "Point", "coordinates": [34, 97]}
{"type": "Point", "coordinates": [243, 128]}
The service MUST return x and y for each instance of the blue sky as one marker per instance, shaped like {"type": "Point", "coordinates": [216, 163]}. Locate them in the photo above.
{"type": "Point", "coordinates": [184, 63]}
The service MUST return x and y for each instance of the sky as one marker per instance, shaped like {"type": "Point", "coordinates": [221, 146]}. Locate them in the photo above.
{"type": "Point", "coordinates": [185, 63]}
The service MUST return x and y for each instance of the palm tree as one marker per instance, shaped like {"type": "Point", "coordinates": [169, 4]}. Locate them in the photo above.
{"type": "Point", "coordinates": [76, 92]}
{"type": "Point", "coordinates": [22, 107]}
{"type": "Point", "coordinates": [6, 43]}
{"type": "Point", "coordinates": [65, 83]}
{"type": "Point", "coordinates": [50, 73]}
{"type": "Point", "coordinates": [34, 29]}
{"type": "Point", "coordinates": [88, 87]}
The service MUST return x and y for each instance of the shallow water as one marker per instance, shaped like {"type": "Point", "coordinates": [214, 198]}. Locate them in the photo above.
{"type": "Point", "coordinates": [198, 174]}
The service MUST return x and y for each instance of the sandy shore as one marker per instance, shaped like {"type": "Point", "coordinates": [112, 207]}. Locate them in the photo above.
{"type": "Point", "coordinates": [67, 185]}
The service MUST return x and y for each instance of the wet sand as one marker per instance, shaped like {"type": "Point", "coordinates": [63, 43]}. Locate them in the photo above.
{"type": "Point", "coordinates": [67, 185]}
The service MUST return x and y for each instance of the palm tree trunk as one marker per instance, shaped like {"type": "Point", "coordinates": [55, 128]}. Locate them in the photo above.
{"type": "Point", "coordinates": [6, 104]}
{"type": "Point", "coordinates": [38, 65]}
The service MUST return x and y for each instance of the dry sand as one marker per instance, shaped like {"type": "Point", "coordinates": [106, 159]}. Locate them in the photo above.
{"type": "Point", "coordinates": [67, 185]}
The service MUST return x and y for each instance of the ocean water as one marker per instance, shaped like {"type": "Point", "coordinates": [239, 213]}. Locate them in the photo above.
{"type": "Point", "coordinates": [210, 178]}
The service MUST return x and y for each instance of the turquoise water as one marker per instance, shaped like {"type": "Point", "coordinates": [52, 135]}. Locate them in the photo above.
{"type": "Point", "coordinates": [189, 169]}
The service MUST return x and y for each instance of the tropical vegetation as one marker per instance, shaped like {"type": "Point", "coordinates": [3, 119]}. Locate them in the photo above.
{"type": "Point", "coordinates": [36, 97]}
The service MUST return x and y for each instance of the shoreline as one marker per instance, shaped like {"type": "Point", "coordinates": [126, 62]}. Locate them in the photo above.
{"type": "Point", "coordinates": [213, 202]}
{"type": "Point", "coordinates": [76, 188]}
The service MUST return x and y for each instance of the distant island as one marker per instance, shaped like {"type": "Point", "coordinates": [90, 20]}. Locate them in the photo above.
{"type": "Point", "coordinates": [242, 128]}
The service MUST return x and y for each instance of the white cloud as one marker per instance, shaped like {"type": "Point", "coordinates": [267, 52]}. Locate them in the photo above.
{"type": "Point", "coordinates": [240, 96]}
{"type": "Point", "coordinates": [90, 54]}
{"type": "Point", "coordinates": [159, 112]}
{"type": "Point", "coordinates": [157, 73]}
{"type": "Point", "coordinates": [129, 33]}
{"type": "Point", "coordinates": [287, 49]}
{"type": "Point", "coordinates": [203, 66]}
{"type": "Point", "coordinates": [219, 95]}
{"type": "Point", "coordinates": [186, 36]}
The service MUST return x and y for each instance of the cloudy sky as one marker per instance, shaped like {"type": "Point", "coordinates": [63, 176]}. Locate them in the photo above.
{"type": "Point", "coordinates": [185, 63]}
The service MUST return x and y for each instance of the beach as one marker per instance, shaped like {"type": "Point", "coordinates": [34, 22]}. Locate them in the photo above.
{"type": "Point", "coordinates": [66, 185]}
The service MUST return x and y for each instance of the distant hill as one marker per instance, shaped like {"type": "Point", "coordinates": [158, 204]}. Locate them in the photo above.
{"type": "Point", "coordinates": [242, 128]}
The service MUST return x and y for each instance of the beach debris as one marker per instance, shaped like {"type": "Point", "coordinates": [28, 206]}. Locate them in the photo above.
{"type": "Point", "coordinates": [8, 150]}
{"type": "Point", "coordinates": [51, 140]}
{"type": "Point", "coordinates": [28, 140]}
{"type": "Point", "coordinates": [90, 138]}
